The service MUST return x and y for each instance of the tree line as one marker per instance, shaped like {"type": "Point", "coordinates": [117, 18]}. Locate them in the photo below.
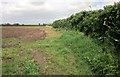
{"type": "Point", "coordinates": [17, 24]}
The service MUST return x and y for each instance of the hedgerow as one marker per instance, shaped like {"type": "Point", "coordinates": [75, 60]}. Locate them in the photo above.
{"type": "Point", "coordinates": [102, 24]}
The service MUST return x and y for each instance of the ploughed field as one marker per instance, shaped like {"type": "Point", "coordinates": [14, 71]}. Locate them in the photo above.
{"type": "Point", "coordinates": [23, 33]}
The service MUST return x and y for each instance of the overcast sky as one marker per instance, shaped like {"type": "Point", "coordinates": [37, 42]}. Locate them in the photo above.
{"type": "Point", "coordinates": [45, 11]}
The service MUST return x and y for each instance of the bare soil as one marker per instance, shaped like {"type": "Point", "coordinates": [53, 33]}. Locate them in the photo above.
{"type": "Point", "coordinates": [23, 33]}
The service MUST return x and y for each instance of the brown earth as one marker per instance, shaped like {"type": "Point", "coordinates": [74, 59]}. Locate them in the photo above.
{"type": "Point", "coordinates": [23, 33]}
{"type": "Point", "coordinates": [27, 33]}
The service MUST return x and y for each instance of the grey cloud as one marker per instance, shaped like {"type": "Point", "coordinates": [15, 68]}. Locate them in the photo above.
{"type": "Point", "coordinates": [4, 2]}
{"type": "Point", "coordinates": [37, 3]}
{"type": "Point", "coordinates": [36, 16]}
{"type": "Point", "coordinates": [40, 15]}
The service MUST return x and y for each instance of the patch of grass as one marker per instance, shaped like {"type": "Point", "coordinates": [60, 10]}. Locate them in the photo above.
{"type": "Point", "coordinates": [58, 52]}
{"type": "Point", "coordinates": [17, 59]}
{"type": "Point", "coordinates": [10, 42]}
{"type": "Point", "coordinates": [84, 48]}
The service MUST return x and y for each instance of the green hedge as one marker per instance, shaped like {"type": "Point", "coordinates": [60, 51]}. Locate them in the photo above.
{"type": "Point", "coordinates": [102, 24]}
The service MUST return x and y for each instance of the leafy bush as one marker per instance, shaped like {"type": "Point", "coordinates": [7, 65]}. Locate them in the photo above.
{"type": "Point", "coordinates": [103, 25]}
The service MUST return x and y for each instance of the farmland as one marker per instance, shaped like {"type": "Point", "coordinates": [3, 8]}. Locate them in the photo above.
{"type": "Point", "coordinates": [23, 33]}
{"type": "Point", "coordinates": [26, 53]}
{"type": "Point", "coordinates": [86, 43]}
{"type": "Point", "coordinates": [53, 52]}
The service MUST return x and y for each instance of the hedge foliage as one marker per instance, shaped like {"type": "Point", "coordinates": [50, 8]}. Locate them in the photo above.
{"type": "Point", "coordinates": [103, 24]}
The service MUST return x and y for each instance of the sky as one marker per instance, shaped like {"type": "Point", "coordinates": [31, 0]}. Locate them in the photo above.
{"type": "Point", "coordinates": [45, 11]}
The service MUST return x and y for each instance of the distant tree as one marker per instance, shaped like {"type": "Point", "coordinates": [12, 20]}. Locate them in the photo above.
{"type": "Point", "coordinates": [22, 24]}
{"type": "Point", "coordinates": [16, 24]}
{"type": "Point", "coordinates": [44, 24]}
{"type": "Point", "coordinates": [7, 24]}
{"type": "Point", "coordinates": [39, 24]}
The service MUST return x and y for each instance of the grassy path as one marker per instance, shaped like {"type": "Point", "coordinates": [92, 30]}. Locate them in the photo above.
{"type": "Point", "coordinates": [58, 59]}
{"type": "Point", "coordinates": [49, 56]}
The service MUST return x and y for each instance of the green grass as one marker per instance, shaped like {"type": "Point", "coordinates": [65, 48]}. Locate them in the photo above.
{"type": "Point", "coordinates": [59, 53]}
{"type": "Point", "coordinates": [98, 60]}
{"type": "Point", "coordinates": [70, 53]}
{"type": "Point", "coordinates": [17, 59]}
